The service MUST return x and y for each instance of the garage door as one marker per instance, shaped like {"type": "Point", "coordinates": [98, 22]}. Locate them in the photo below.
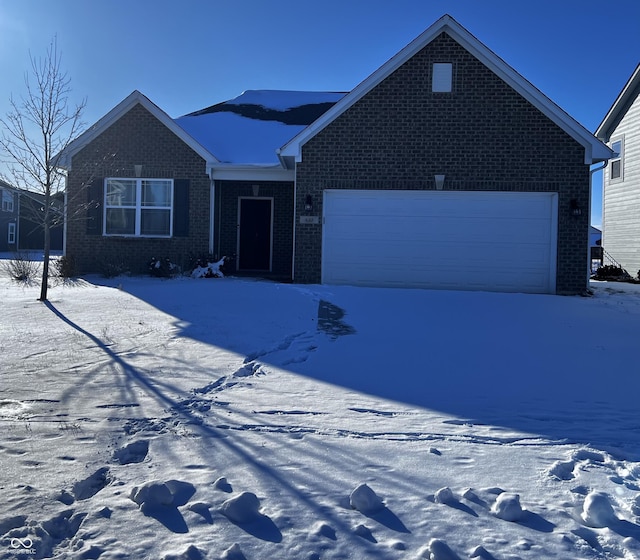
{"type": "Point", "coordinates": [447, 240]}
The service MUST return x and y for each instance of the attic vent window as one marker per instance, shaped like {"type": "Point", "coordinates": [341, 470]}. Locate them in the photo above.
{"type": "Point", "coordinates": [442, 77]}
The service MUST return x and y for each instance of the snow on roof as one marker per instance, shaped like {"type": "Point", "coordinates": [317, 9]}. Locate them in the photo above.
{"type": "Point", "coordinates": [250, 128]}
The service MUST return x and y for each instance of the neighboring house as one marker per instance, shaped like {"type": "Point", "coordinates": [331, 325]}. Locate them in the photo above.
{"type": "Point", "coordinates": [444, 169]}
{"type": "Point", "coordinates": [20, 229]}
{"type": "Point", "coordinates": [9, 208]}
{"type": "Point", "coordinates": [621, 178]}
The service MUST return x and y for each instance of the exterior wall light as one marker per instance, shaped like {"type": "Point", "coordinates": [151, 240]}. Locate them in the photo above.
{"type": "Point", "coordinates": [575, 208]}
{"type": "Point", "coordinates": [138, 170]}
{"type": "Point", "coordinates": [308, 204]}
{"type": "Point", "coordinates": [439, 181]}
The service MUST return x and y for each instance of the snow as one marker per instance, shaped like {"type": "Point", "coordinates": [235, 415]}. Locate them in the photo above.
{"type": "Point", "coordinates": [240, 140]}
{"type": "Point", "coordinates": [194, 418]}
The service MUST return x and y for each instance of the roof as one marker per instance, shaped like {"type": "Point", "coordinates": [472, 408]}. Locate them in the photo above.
{"type": "Point", "coordinates": [594, 149]}
{"type": "Point", "coordinates": [249, 129]}
{"type": "Point", "coordinates": [64, 157]}
{"type": "Point", "coordinates": [620, 106]}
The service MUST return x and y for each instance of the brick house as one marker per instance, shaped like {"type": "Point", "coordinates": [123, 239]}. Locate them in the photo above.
{"type": "Point", "coordinates": [444, 169]}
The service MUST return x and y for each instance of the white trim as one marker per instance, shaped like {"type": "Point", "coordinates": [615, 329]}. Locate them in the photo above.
{"type": "Point", "coordinates": [624, 99]}
{"type": "Point", "coordinates": [617, 158]}
{"type": "Point", "coordinates": [251, 173]}
{"type": "Point", "coordinates": [594, 149]}
{"type": "Point", "coordinates": [11, 233]}
{"type": "Point", "coordinates": [271, 199]}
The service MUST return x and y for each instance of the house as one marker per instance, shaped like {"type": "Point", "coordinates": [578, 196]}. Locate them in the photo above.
{"type": "Point", "coordinates": [443, 169]}
{"type": "Point", "coordinates": [8, 218]}
{"type": "Point", "coordinates": [621, 178]}
{"type": "Point", "coordinates": [20, 229]}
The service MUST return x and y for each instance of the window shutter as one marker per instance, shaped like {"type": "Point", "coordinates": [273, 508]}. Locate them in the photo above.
{"type": "Point", "coordinates": [181, 207]}
{"type": "Point", "coordinates": [95, 199]}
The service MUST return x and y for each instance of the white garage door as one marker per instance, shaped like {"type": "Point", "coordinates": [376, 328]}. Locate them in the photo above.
{"type": "Point", "coordinates": [440, 239]}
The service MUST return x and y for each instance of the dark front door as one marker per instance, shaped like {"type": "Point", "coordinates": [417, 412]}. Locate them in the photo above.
{"type": "Point", "coordinates": [254, 234]}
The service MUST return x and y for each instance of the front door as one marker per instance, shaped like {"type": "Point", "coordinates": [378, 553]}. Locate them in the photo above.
{"type": "Point", "coordinates": [255, 218]}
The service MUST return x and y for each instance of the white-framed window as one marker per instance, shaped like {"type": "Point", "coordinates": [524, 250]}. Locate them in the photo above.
{"type": "Point", "coordinates": [138, 207]}
{"type": "Point", "coordinates": [616, 163]}
{"type": "Point", "coordinates": [11, 236]}
{"type": "Point", "coordinates": [442, 77]}
{"type": "Point", "coordinates": [7, 201]}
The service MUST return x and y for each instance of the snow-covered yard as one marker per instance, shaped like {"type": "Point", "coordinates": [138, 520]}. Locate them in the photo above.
{"type": "Point", "coordinates": [229, 418]}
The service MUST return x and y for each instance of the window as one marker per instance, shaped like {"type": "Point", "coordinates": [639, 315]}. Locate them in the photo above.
{"type": "Point", "coordinates": [11, 238]}
{"type": "Point", "coordinates": [139, 207]}
{"type": "Point", "coordinates": [7, 201]}
{"type": "Point", "coordinates": [442, 77]}
{"type": "Point", "coordinates": [615, 169]}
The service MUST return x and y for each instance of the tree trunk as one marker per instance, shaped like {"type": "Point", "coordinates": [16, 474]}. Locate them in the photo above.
{"type": "Point", "coordinates": [46, 226]}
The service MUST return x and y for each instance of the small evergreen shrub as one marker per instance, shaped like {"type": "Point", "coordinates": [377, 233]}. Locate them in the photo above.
{"type": "Point", "coordinates": [65, 267]}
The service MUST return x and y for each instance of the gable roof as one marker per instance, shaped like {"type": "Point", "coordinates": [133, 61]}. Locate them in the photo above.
{"type": "Point", "coordinates": [64, 157]}
{"type": "Point", "coordinates": [620, 106]}
{"type": "Point", "coordinates": [594, 149]}
{"type": "Point", "coordinates": [249, 129]}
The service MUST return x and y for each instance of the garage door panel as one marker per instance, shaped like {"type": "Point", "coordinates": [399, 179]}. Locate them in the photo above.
{"type": "Point", "coordinates": [461, 240]}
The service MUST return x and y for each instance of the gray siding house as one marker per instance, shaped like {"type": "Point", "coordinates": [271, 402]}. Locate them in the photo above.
{"type": "Point", "coordinates": [621, 178]}
{"type": "Point", "coordinates": [444, 169]}
{"type": "Point", "coordinates": [19, 226]}
{"type": "Point", "coordinates": [9, 208]}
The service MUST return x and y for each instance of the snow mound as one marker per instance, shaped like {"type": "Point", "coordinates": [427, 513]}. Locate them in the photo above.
{"type": "Point", "coordinates": [507, 507]}
{"type": "Point", "coordinates": [223, 485]}
{"type": "Point", "coordinates": [192, 553]}
{"type": "Point", "coordinates": [153, 493]}
{"type": "Point", "coordinates": [233, 553]}
{"type": "Point", "coordinates": [444, 496]}
{"type": "Point", "coordinates": [562, 470]}
{"type": "Point", "coordinates": [243, 508]}
{"type": "Point", "coordinates": [365, 500]}
{"type": "Point", "coordinates": [437, 549]}
{"type": "Point", "coordinates": [134, 452]}
{"type": "Point", "coordinates": [597, 510]}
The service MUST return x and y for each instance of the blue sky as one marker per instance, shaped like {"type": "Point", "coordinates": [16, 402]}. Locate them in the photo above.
{"type": "Point", "coordinates": [188, 55]}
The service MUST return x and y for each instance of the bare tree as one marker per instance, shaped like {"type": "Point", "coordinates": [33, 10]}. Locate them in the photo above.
{"type": "Point", "coordinates": [35, 130]}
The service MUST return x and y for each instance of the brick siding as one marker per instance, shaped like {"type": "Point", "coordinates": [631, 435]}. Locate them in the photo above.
{"type": "Point", "coordinates": [137, 138]}
{"type": "Point", "coordinates": [482, 136]}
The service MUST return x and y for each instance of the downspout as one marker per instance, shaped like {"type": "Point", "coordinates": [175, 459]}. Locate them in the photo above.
{"type": "Point", "coordinates": [212, 209]}
{"type": "Point", "coordinates": [591, 172]}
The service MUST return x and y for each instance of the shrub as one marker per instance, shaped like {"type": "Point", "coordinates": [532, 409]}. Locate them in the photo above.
{"type": "Point", "coordinates": [21, 268]}
{"type": "Point", "coordinates": [163, 268]}
{"type": "Point", "coordinates": [611, 271]}
{"type": "Point", "coordinates": [65, 267]}
{"type": "Point", "coordinates": [110, 268]}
